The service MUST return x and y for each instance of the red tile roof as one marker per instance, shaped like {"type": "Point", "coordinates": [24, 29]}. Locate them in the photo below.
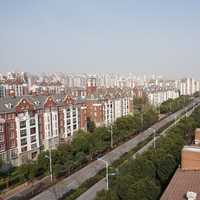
{"type": "Point", "coordinates": [181, 183]}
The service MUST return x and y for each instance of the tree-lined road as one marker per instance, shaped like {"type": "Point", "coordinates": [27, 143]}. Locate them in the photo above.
{"type": "Point", "coordinates": [90, 194]}
{"type": "Point", "coordinates": [63, 187]}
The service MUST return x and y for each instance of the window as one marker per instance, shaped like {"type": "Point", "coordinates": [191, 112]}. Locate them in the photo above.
{"type": "Point", "coordinates": [10, 116]}
{"type": "Point", "coordinates": [74, 114]}
{"type": "Point", "coordinates": [34, 146]}
{"type": "Point", "coordinates": [68, 122]}
{"type": "Point", "coordinates": [23, 133]}
{"type": "Point", "coordinates": [23, 124]}
{"type": "Point", "coordinates": [23, 149]}
{"type": "Point", "coordinates": [69, 134]}
{"type": "Point", "coordinates": [74, 126]}
{"type": "Point", "coordinates": [23, 141]}
{"type": "Point", "coordinates": [32, 122]}
{"type": "Point", "coordinates": [1, 127]}
{"type": "Point", "coordinates": [33, 155]}
{"type": "Point", "coordinates": [1, 137]}
{"type": "Point", "coordinates": [13, 154]}
{"type": "Point", "coordinates": [12, 143]}
{"type": "Point", "coordinates": [33, 130]}
{"type": "Point", "coordinates": [68, 114]}
{"type": "Point", "coordinates": [12, 125]}
{"type": "Point", "coordinates": [2, 146]}
{"type": "Point", "coordinates": [33, 139]}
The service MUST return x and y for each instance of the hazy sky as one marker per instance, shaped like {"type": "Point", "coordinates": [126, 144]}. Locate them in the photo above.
{"type": "Point", "coordinates": [161, 36]}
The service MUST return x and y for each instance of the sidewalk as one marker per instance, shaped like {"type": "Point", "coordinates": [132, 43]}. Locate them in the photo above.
{"type": "Point", "coordinates": [21, 188]}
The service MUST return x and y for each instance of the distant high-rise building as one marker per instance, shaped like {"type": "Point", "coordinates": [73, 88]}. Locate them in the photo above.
{"type": "Point", "coordinates": [91, 86]}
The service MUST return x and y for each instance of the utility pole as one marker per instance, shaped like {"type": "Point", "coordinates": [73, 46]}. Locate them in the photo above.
{"type": "Point", "coordinates": [49, 157]}
{"type": "Point", "coordinates": [107, 178]}
{"type": "Point", "coordinates": [50, 146]}
{"type": "Point", "coordinates": [142, 117]}
{"type": "Point", "coordinates": [50, 165]}
{"type": "Point", "coordinates": [111, 136]}
{"type": "Point", "coordinates": [142, 121]}
{"type": "Point", "coordinates": [175, 118]}
{"type": "Point", "coordinates": [170, 106]}
{"type": "Point", "coordinates": [154, 139]}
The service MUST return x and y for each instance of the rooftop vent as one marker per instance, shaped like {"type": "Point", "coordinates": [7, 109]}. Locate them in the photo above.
{"type": "Point", "coordinates": [36, 103]}
{"type": "Point", "coordinates": [8, 105]}
{"type": "Point", "coordinates": [58, 100]}
{"type": "Point", "coordinates": [191, 195]}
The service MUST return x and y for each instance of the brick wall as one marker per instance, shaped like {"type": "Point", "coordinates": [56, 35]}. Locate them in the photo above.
{"type": "Point", "coordinates": [190, 159]}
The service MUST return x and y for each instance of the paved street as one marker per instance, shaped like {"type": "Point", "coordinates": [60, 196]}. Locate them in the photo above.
{"type": "Point", "coordinates": [75, 180]}
{"type": "Point", "coordinates": [91, 193]}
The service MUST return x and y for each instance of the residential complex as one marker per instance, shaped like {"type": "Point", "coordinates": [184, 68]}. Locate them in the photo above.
{"type": "Point", "coordinates": [39, 113]}
{"type": "Point", "coordinates": [155, 88]}
{"type": "Point", "coordinates": [31, 124]}
{"type": "Point", "coordinates": [158, 95]}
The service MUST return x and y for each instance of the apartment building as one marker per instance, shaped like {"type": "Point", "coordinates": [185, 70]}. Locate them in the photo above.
{"type": "Point", "coordinates": [31, 124]}
{"type": "Point", "coordinates": [115, 108]}
{"type": "Point", "coordinates": [156, 96]}
{"type": "Point", "coordinates": [27, 131]}
{"type": "Point", "coordinates": [95, 111]}
{"type": "Point", "coordinates": [189, 86]}
{"type": "Point", "coordinates": [109, 111]}
{"type": "Point", "coordinates": [9, 88]}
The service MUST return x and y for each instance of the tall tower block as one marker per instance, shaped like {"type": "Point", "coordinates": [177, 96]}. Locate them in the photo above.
{"type": "Point", "coordinates": [91, 86]}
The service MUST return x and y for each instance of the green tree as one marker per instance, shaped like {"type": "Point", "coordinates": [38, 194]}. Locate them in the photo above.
{"type": "Point", "coordinates": [81, 142]}
{"type": "Point", "coordinates": [144, 189]}
{"type": "Point", "coordinates": [165, 168]}
{"type": "Point", "coordinates": [90, 125]}
{"type": "Point", "coordinates": [122, 183]}
{"type": "Point", "coordinates": [106, 195]}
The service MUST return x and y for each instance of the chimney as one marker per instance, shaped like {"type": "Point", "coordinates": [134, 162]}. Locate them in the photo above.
{"type": "Point", "coordinates": [190, 158]}
{"type": "Point", "coordinates": [191, 195]}
{"type": "Point", "coordinates": [12, 93]}
{"type": "Point", "coordinates": [197, 136]}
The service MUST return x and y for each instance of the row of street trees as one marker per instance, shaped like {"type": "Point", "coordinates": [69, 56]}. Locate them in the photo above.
{"type": "Point", "coordinates": [85, 147]}
{"type": "Point", "coordinates": [147, 176]}
{"type": "Point", "coordinates": [172, 105]}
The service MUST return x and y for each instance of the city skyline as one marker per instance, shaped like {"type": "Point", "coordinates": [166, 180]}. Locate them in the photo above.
{"type": "Point", "coordinates": [139, 37]}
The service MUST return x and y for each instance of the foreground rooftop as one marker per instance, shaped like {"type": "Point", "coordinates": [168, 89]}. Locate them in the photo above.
{"type": "Point", "coordinates": [182, 182]}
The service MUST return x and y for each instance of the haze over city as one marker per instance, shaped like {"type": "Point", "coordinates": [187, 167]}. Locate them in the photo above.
{"type": "Point", "coordinates": [101, 36]}
{"type": "Point", "coordinates": [99, 100]}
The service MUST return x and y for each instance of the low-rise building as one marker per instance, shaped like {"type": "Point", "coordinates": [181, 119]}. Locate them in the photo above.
{"type": "Point", "coordinates": [186, 180]}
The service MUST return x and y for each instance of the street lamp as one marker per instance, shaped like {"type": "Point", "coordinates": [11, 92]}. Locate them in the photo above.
{"type": "Point", "coordinates": [111, 136]}
{"type": "Point", "coordinates": [175, 119]}
{"type": "Point", "coordinates": [106, 162]}
{"type": "Point", "coordinates": [50, 164]}
{"type": "Point", "coordinates": [154, 137]}
{"type": "Point", "coordinates": [158, 110]}
{"type": "Point", "coordinates": [142, 120]}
